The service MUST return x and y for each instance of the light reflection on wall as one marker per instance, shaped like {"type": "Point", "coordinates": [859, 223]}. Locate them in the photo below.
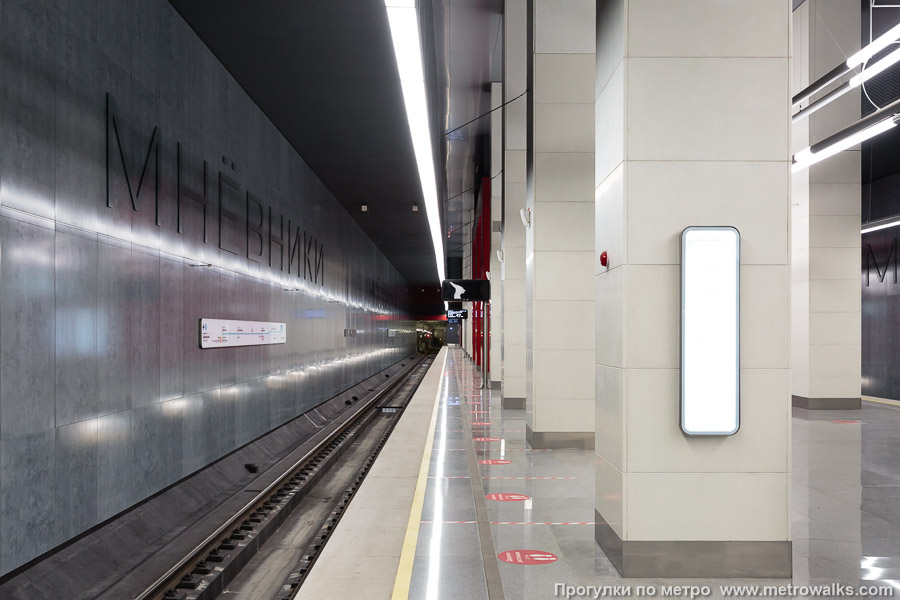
{"type": "Point", "coordinates": [95, 339]}
{"type": "Point", "coordinates": [83, 432]}
{"type": "Point", "coordinates": [18, 199]}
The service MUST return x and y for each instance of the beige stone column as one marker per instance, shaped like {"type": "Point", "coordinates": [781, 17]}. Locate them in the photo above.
{"type": "Point", "coordinates": [496, 172]}
{"type": "Point", "coordinates": [515, 77]}
{"type": "Point", "coordinates": [468, 232]}
{"type": "Point", "coordinates": [826, 298]}
{"type": "Point", "coordinates": [692, 128]}
{"type": "Point", "coordinates": [559, 242]}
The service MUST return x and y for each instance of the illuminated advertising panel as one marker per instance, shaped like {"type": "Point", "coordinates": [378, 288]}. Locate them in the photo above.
{"type": "Point", "coordinates": [710, 330]}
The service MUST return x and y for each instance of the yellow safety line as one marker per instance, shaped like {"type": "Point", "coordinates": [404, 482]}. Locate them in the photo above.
{"type": "Point", "coordinates": [888, 402]}
{"type": "Point", "coordinates": [408, 554]}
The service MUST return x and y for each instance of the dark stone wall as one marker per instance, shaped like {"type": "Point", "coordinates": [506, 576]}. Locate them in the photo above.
{"type": "Point", "coordinates": [880, 199]}
{"type": "Point", "coordinates": [114, 120]}
{"type": "Point", "coordinates": [880, 314]}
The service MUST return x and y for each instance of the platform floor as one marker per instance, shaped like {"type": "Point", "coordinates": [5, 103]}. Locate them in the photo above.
{"type": "Point", "coordinates": [556, 519]}
{"type": "Point", "coordinates": [845, 518]}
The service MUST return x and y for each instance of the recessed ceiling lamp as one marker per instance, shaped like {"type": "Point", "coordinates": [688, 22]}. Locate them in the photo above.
{"type": "Point", "coordinates": [404, 24]}
{"type": "Point", "coordinates": [364, 208]}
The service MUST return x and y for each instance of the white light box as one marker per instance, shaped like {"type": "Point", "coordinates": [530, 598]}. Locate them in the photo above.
{"type": "Point", "coordinates": [710, 330]}
{"type": "Point", "coordinates": [221, 333]}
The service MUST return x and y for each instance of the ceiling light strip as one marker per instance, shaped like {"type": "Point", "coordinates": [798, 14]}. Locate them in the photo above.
{"type": "Point", "coordinates": [404, 25]}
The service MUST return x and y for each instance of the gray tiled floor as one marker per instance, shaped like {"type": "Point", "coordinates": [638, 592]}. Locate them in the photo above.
{"type": "Point", "coordinates": [845, 494]}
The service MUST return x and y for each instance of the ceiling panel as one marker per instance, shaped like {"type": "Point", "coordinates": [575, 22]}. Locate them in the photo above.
{"type": "Point", "coordinates": [468, 44]}
{"type": "Point", "coordinates": [325, 74]}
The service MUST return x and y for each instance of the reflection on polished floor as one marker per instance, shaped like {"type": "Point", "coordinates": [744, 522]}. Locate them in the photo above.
{"type": "Point", "coordinates": [846, 503]}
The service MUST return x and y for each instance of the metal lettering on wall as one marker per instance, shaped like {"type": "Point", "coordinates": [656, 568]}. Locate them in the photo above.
{"type": "Point", "coordinates": [108, 202]}
{"type": "Point", "coordinates": [879, 316]}
{"type": "Point", "coordinates": [872, 261]}
{"type": "Point", "coordinates": [241, 213]}
{"type": "Point", "coordinates": [223, 333]}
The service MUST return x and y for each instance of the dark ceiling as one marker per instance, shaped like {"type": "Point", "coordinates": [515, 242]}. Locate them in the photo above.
{"type": "Point", "coordinates": [324, 72]}
{"type": "Point", "coordinates": [466, 38]}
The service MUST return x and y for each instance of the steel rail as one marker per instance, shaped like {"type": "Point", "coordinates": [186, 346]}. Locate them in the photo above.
{"type": "Point", "coordinates": [173, 576]}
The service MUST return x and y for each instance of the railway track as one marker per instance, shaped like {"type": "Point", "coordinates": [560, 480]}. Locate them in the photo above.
{"type": "Point", "coordinates": [266, 549]}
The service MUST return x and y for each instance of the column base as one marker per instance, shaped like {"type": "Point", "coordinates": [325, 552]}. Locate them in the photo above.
{"type": "Point", "coordinates": [826, 403]}
{"type": "Point", "coordinates": [495, 384]}
{"type": "Point", "coordinates": [693, 558]}
{"type": "Point", "coordinates": [512, 402]}
{"type": "Point", "coordinates": [581, 440]}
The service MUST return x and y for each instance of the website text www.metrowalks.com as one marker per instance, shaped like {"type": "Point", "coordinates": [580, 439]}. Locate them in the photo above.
{"type": "Point", "coordinates": [832, 590]}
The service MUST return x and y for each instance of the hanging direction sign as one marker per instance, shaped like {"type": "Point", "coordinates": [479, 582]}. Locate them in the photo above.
{"type": "Point", "coordinates": [466, 290]}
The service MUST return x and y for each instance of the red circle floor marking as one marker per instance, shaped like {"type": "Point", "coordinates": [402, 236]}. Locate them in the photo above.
{"type": "Point", "coordinates": [481, 423]}
{"type": "Point", "coordinates": [847, 422]}
{"type": "Point", "coordinates": [507, 497]}
{"type": "Point", "coordinates": [492, 461]}
{"type": "Point", "coordinates": [484, 439]}
{"type": "Point", "coordinates": [527, 557]}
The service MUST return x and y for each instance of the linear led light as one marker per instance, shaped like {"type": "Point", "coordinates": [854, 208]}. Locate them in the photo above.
{"type": "Point", "coordinates": [854, 82]}
{"type": "Point", "coordinates": [877, 45]}
{"type": "Point", "coordinates": [878, 226]}
{"type": "Point", "coordinates": [820, 84]}
{"type": "Point", "coordinates": [870, 72]}
{"type": "Point", "coordinates": [822, 102]}
{"type": "Point", "coordinates": [807, 157]}
{"type": "Point", "coordinates": [404, 24]}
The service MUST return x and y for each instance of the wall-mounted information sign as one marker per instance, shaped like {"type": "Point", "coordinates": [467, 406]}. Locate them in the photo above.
{"type": "Point", "coordinates": [221, 333]}
{"type": "Point", "coordinates": [452, 321]}
{"type": "Point", "coordinates": [710, 330]}
{"type": "Point", "coordinates": [458, 314]}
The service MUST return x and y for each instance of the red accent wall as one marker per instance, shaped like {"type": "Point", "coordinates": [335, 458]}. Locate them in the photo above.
{"type": "Point", "coordinates": [481, 264]}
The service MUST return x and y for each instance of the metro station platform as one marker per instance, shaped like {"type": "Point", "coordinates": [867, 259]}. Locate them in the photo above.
{"type": "Point", "coordinates": [492, 518]}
